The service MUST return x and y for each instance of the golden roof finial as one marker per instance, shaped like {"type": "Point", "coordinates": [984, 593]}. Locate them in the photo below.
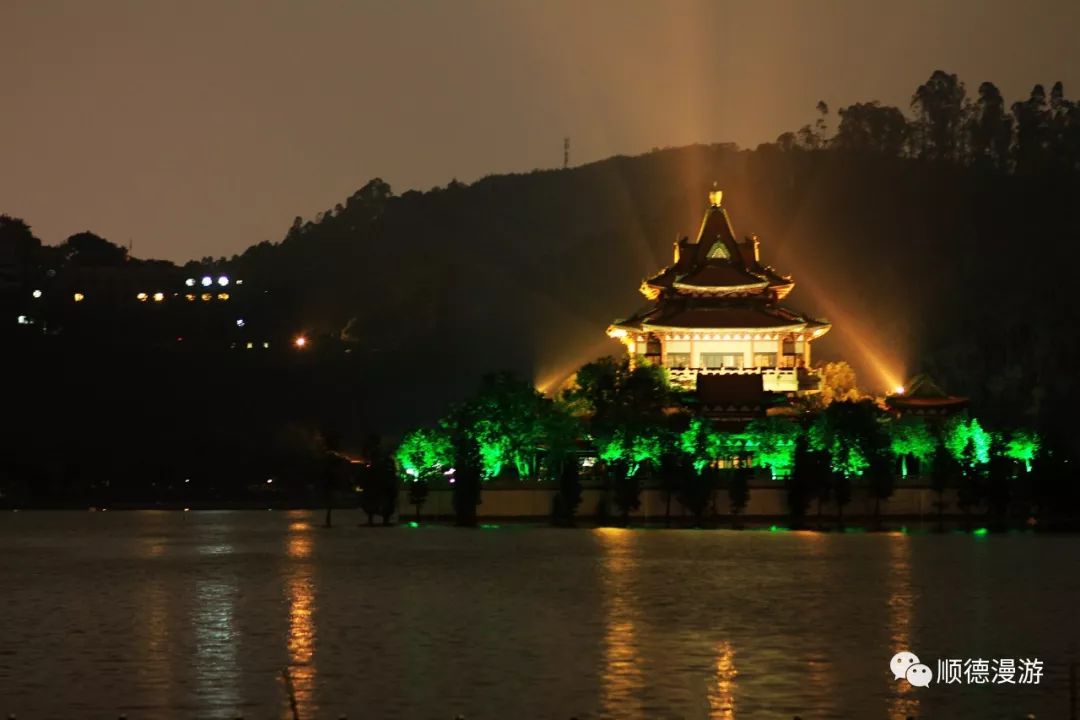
{"type": "Point", "coordinates": [715, 196]}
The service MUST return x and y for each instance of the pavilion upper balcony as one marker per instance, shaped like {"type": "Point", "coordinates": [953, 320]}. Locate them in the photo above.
{"type": "Point", "coordinates": [772, 379]}
{"type": "Point", "coordinates": [788, 379]}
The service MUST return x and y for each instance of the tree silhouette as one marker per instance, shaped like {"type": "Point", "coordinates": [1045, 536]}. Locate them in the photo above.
{"type": "Point", "coordinates": [90, 250]}
{"type": "Point", "coordinates": [939, 108]}
{"type": "Point", "coordinates": [869, 127]}
{"type": "Point", "coordinates": [990, 130]}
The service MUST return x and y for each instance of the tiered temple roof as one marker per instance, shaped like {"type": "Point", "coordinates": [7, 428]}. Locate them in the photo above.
{"type": "Point", "coordinates": [717, 282]}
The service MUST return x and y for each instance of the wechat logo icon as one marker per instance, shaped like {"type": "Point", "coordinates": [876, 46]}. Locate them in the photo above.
{"type": "Point", "coordinates": [905, 665]}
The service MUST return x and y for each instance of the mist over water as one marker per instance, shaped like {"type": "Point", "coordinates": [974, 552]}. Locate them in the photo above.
{"type": "Point", "coordinates": [194, 615]}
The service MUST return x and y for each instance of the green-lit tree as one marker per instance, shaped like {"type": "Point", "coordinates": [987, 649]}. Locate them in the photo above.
{"type": "Point", "coordinates": [505, 419]}
{"type": "Point", "coordinates": [852, 434]}
{"type": "Point", "coordinates": [970, 445]}
{"type": "Point", "coordinates": [911, 438]}
{"type": "Point", "coordinates": [627, 422]}
{"type": "Point", "coordinates": [702, 447]}
{"type": "Point", "coordinates": [422, 456]}
{"type": "Point", "coordinates": [772, 441]}
{"type": "Point", "coordinates": [1023, 446]}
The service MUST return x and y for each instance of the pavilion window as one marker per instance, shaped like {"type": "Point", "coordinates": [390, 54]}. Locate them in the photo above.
{"type": "Point", "coordinates": [765, 360]}
{"type": "Point", "coordinates": [722, 360]}
{"type": "Point", "coordinates": [678, 360]}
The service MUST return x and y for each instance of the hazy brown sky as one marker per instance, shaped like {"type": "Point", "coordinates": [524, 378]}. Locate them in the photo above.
{"type": "Point", "coordinates": [199, 127]}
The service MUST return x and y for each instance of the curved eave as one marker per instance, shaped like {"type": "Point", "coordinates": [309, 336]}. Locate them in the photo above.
{"type": "Point", "coordinates": [620, 328]}
{"type": "Point", "coordinates": [722, 290]}
{"type": "Point", "coordinates": [782, 290]}
{"type": "Point", "coordinates": [915, 403]}
{"type": "Point", "coordinates": [648, 327]}
{"type": "Point", "coordinates": [649, 290]}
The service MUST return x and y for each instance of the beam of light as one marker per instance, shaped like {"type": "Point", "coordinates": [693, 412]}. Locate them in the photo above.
{"type": "Point", "coordinates": [552, 379]}
{"type": "Point", "coordinates": [852, 332]}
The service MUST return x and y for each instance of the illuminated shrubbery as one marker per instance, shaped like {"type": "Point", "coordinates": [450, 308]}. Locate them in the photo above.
{"type": "Point", "coordinates": [636, 426]}
{"type": "Point", "coordinates": [424, 454]}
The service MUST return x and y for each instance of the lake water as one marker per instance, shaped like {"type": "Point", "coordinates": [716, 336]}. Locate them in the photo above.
{"type": "Point", "coordinates": [194, 615]}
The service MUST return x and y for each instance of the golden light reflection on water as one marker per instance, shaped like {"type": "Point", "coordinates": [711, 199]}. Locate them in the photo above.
{"type": "Point", "coordinates": [301, 598]}
{"type": "Point", "coordinates": [903, 702]}
{"type": "Point", "coordinates": [622, 679]}
{"type": "Point", "coordinates": [820, 670]}
{"type": "Point", "coordinates": [721, 695]}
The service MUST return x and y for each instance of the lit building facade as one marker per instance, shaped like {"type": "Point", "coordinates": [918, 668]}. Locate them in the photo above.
{"type": "Point", "coordinates": [716, 312]}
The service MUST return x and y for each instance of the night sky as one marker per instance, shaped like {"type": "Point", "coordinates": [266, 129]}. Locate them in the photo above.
{"type": "Point", "coordinates": [199, 128]}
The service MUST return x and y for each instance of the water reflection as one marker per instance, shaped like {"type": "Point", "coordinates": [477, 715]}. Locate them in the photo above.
{"type": "Point", "coordinates": [216, 670]}
{"type": "Point", "coordinates": [155, 649]}
{"type": "Point", "coordinates": [820, 669]}
{"type": "Point", "coordinates": [721, 695]}
{"type": "Point", "coordinates": [903, 702]}
{"type": "Point", "coordinates": [301, 598]}
{"type": "Point", "coordinates": [622, 678]}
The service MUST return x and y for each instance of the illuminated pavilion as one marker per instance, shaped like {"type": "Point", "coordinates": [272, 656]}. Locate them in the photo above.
{"type": "Point", "coordinates": [716, 322]}
{"type": "Point", "coordinates": [922, 396]}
